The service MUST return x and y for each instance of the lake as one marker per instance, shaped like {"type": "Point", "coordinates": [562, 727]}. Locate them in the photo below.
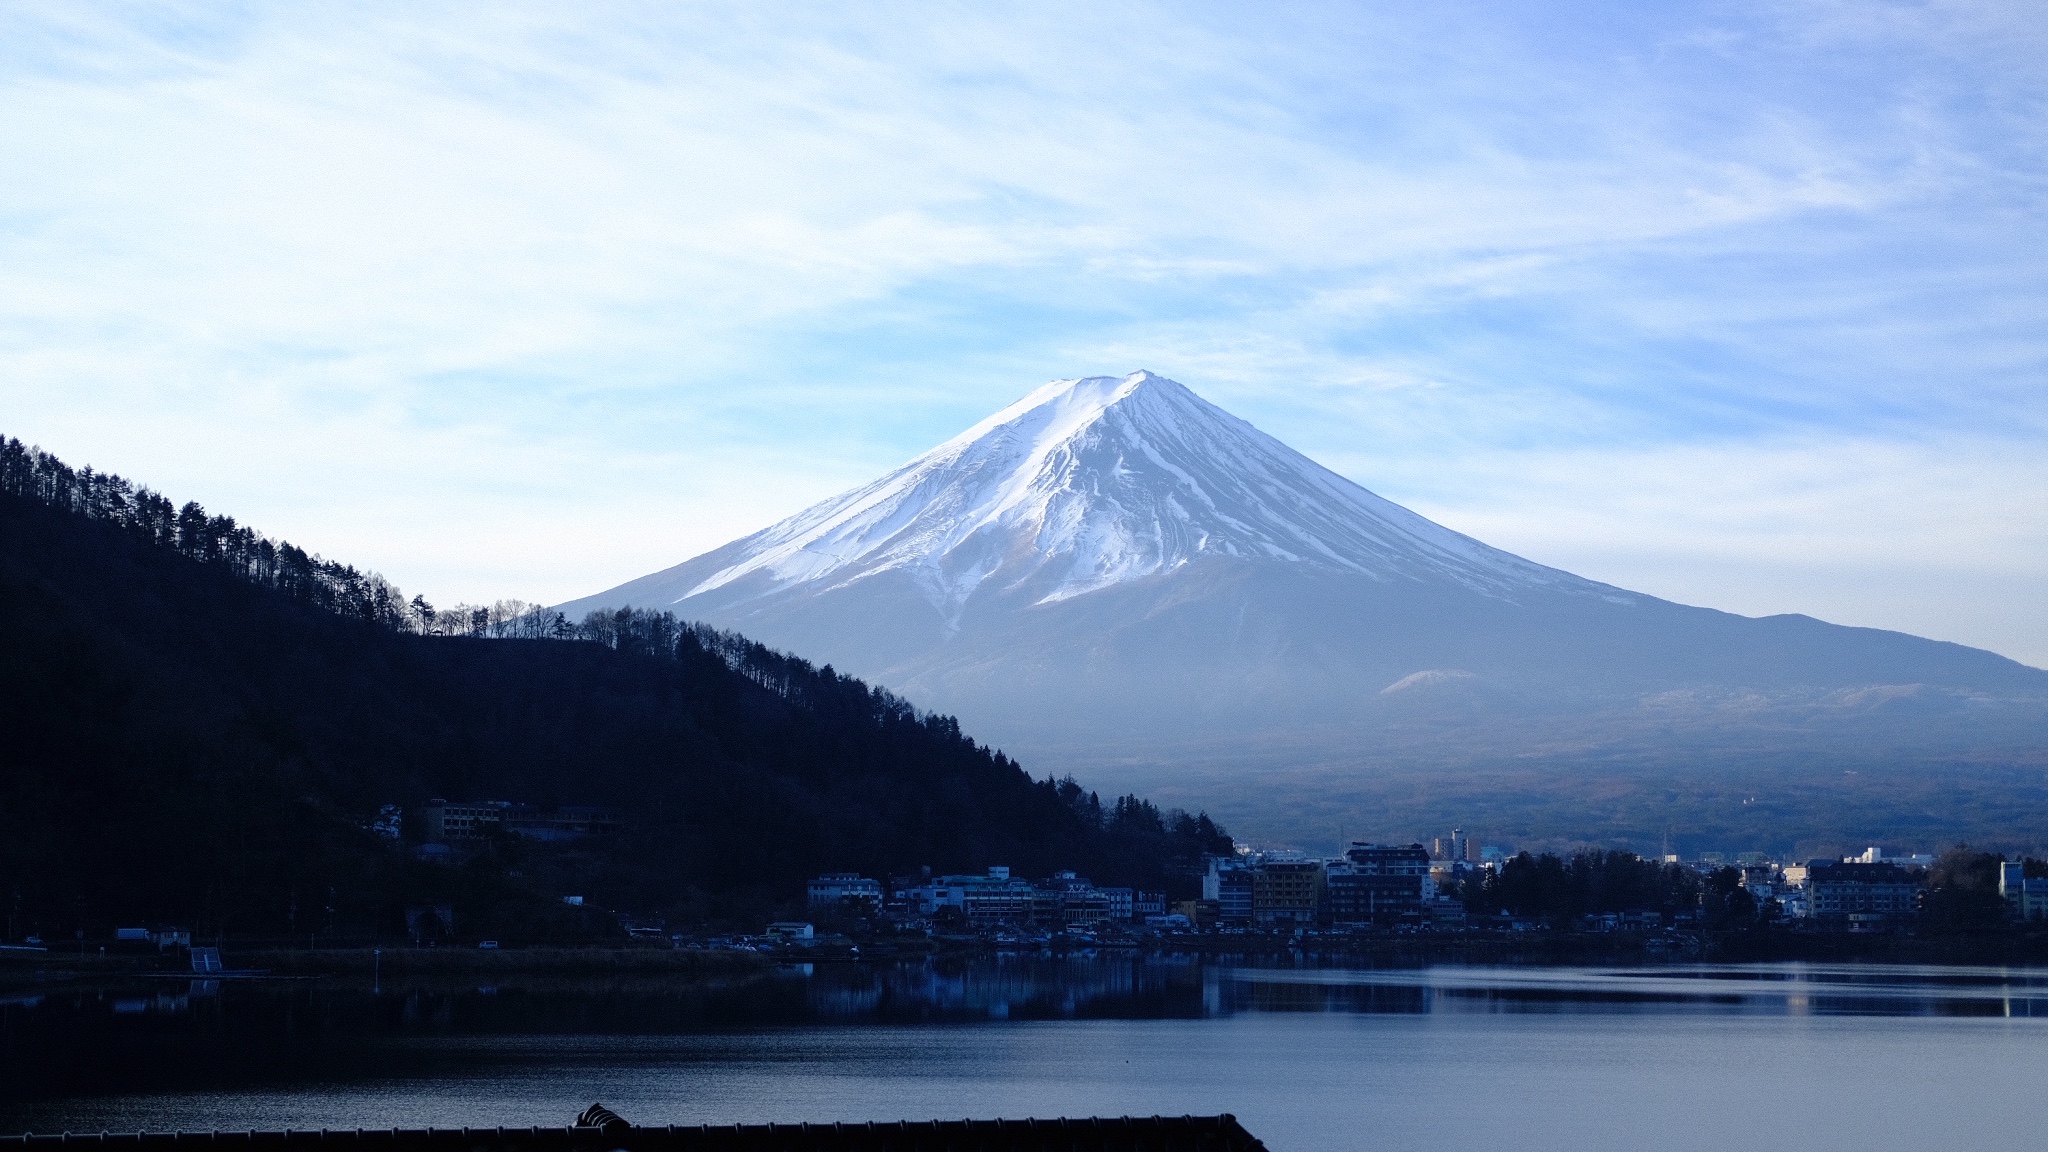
{"type": "Point", "coordinates": [1309, 1056]}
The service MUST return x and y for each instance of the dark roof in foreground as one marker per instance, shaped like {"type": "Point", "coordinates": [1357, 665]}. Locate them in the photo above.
{"type": "Point", "coordinates": [1120, 1134]}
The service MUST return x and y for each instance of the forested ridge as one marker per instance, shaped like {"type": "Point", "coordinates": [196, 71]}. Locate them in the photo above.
{"type": "Point", "coordinates": [198, 724]}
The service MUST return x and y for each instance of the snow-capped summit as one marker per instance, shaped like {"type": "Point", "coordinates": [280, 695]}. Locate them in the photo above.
{"type": "Point", "coordinates": [1093, 482]}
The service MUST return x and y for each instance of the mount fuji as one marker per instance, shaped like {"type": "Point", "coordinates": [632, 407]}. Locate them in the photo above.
{"type": "Point", "coordinates": [1115, 577]}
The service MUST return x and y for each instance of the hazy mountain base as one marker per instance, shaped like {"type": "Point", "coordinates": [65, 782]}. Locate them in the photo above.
{"type": "Point", "coordinates": [1299, 705]}
{"type": "Point", "coordinates": [1794, 802]}
{"type": "Point", "coordinates": [1226, 646]}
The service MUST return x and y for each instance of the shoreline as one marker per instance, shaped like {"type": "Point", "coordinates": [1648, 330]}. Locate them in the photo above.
{"type": "Point", "coordinates": [363, 964]}
{"type": "Point", "coordinates": [1516, 950]}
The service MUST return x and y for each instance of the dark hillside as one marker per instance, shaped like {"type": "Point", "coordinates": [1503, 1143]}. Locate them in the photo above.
{"type": "Point", "coordinates": [184, 742]}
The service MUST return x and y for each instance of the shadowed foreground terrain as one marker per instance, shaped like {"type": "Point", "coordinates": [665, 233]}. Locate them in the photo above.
{"type": "Point", "coordinates": [198, 727]}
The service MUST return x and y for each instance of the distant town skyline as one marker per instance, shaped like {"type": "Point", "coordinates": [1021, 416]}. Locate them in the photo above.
{"type": "Point", "coordinates": [1737, 307]}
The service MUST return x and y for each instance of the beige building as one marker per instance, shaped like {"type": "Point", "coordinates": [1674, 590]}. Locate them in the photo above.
{"type": "Point", "coordinates": [1287, 893]}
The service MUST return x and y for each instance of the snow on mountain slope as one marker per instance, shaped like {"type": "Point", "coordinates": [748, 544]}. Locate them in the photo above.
{"type": "Point", "coordinates": [1089, 483]}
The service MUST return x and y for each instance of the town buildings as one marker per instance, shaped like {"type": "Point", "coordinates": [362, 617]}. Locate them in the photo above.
{"type": "Point", "coordinates": [1407, 887]}
{"type": "Point", "coordinates": [1274, 891]}
{"type": "Point", "coordinates": [1063, 900]}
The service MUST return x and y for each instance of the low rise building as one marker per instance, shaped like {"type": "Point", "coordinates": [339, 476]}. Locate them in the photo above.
{"type": "Point", "coordinates": [932, 895]}
{"type": "Point", "coordinates": [1876, 855]}
{"type": "Point", "coordinates": [1070, 901]}
{"type": "Point", "coordinates": [1229, 885]}
{"type": "Point", "coordinates": [1120, 901]}
{"type": "Point", "coordinates": [569, 822]}
{"type": "Point", "coordinates": [1761, 879]}
{"type": "Point", "coordinates": [446, 822]}
{"type": "Point", "coordinates": [1444, 910]}
{"type": "Point", "coordinates": [2024, 899]}
{"type": "Point", "coordinates": [1200, 913]}
{"type": "Point", "coordinates": [1862, 894]}
{"type": "Point", "coordinates": [1287, 893]}
{"type": "Point", "coordinates": [1379, 884]}
{"type": "Point", "coordinates": [455, 822]}
{"type": "Point", "coordinates": [994, 898]}
{"type": "Point", "coordinates": [841, 893]}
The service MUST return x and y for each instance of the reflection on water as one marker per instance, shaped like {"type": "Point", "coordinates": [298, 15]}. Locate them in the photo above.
{"type": "Point", "coordinates": [1319, 1056]}
{"type": "Point", "coordinates": [1032, 988]}
{"type": "Point", "coordinates": [1795, 989]}
{"type": "Point", "coordinates": [993, 988]}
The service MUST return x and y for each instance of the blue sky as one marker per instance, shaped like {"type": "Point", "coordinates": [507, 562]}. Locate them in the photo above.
{"type": "Point", "coordinates": [1741, 305]}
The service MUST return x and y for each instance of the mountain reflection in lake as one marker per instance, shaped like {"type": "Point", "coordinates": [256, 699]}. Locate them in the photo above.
{"type": "Point", "coordinates": [1311, 1056]}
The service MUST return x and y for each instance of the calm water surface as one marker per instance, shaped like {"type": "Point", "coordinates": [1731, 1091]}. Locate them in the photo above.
{"type": "Point", "coordinates": [1795, 1057]}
